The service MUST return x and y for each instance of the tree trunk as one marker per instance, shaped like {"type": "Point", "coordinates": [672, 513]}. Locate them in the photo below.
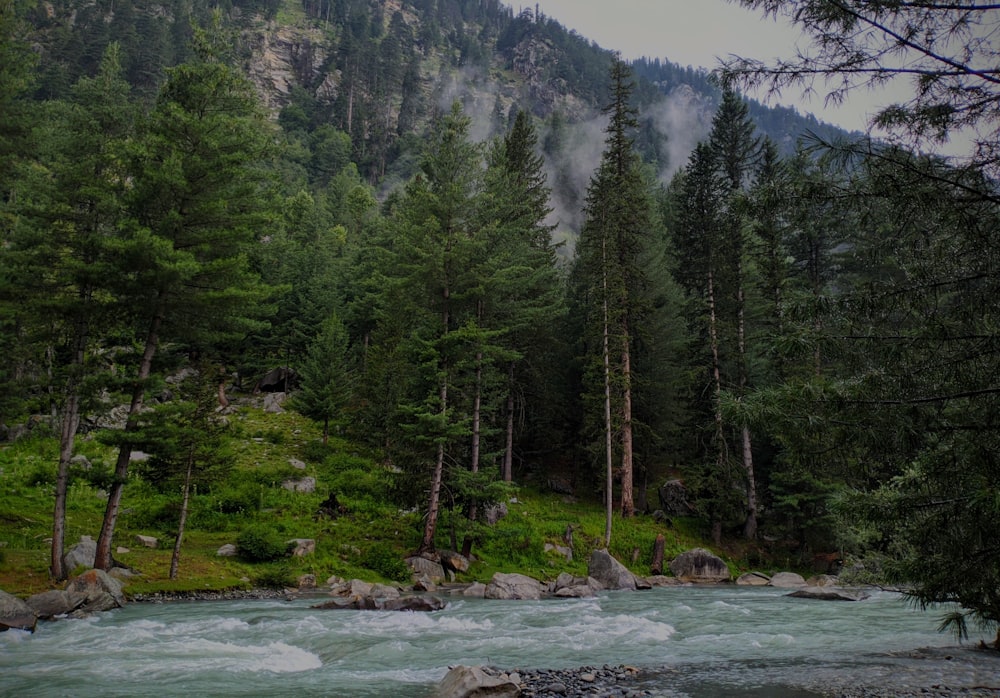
{"type": "Point", "coordinates": [628, 504]}
{"type": "Point", "coordinates": [102, 560]}
{"type": "Point", "coordinates": [609, 484]}
{"type": "Point", "coordinates": [176, 557]}
{"type": "Point", "coordinates": [433, 503]}
{"type": "Point", "coordinates": [508, 451]}
{"type": "Point", "coordinates": [70, 422]}
{"type": "Point", "coordinates": [720, 436]}
{"type": "Point", "coordinates": [476, 437]}
{"type": "Point", "coordinates": [658, 545]}
{"type": "Point", "coordinates": [750, 525]}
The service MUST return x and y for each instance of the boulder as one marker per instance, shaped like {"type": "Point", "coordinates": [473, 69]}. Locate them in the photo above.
{"type": "Point", "coordinates": [495, 512]}
{"type": "Point", "coordinates": [568, 586]}
{"type": "Point", "coordinates": [609, 572]}
{"type": "Point", "coordinates": [453, 561]}
{"type": "Point", "coordinates": [660, 580]}
{"type": "Point", "coordinates": [424, 584]}
{"type": "Point", "coordinates": [296, 463]}
{"type": "Point", "coordinates": [102, 592]}
{"type": "Point", "coordinates": [354, 588]}
{"type": "Point", "coordinates": [473, 682]}
{"type": "Point", "coordinates": [699, 566]}
{"type": "Point", "coordinates": [787, 580]}
{"type": "Point", "coordinates": [227, 550]}
{"type": "Point", "coordinates": [822, 580]}
{"type": "Point", "coordinates": [475, 590]}
{"type": "Point", "coordinates": [80, 461]}
{"type": "Point", "coordinates": [829, 594]}
{"type": "Point", "coordinates": [147, 541]}
{"type": "Point", "coordinates": [305, 484]}
{"type": "Point", "coordinates": [421, 604]}
{"type": "Point", "coordinates": [273, 403]}
{"type": "Point", "coordinates": [56, 602]}
{"type": "Point", "coordinates": [80, 555]}
{"type": "Point", "coordinates": [302, 546]}
{"type": "Point", "coordinates": [753, 579]}
{"type": "Point", "coordinates": [513, 586]}
{"type": "Point", "coordinates": [673, 499]}
{"type": "Point", "coordinates": [424, 568]}
{"type": "Point", "coordinates": [562, 550]}
{"type": "Point", "coordinates": [15, 614]}
{"type": "Point", "coordinates": [384, 591]}
{"type": "Point", "coordinates": [306, 582]}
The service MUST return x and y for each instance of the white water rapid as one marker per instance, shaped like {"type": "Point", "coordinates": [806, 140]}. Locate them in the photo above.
{"type": "Point", "coordinates": [689, 641]}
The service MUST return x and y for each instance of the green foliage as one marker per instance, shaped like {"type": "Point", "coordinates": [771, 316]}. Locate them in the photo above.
{"type": "Point", "coordinates": [261, 543]}
{"type": "Point", "coordinates": [385, 562]}
{"type": "Point", "coordinates": [274, 576]}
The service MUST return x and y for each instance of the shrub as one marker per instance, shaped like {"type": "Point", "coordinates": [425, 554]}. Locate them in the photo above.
{"type": "Point", "coordinates": [276, 577]}
{"type": "Point", "coordinates": [261, 543]}
{"type": "Point", "coordinates": [381, 559]}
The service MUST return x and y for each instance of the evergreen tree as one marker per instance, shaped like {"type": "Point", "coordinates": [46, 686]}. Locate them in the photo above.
{"type": "Point", "coordinates": [610, 280]}
{"type": "Point", "coordinates": [326, 379]}
{"type": "Point", "coordinates": [197, 200]}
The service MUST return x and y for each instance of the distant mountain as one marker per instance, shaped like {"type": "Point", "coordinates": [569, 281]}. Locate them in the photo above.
{"type": "Point", "coordinates": [379, 70]}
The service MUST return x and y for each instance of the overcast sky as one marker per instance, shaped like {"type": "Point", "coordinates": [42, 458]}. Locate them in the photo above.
{"type": "Point", "coordinates": [696, 33]}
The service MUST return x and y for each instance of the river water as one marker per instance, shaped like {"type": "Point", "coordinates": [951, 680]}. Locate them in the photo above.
{"type": "Point", "coordinates": [688, 641]}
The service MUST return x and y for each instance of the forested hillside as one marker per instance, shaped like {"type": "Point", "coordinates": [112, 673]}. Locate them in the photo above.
{"type": "Point", "coordinates": [483, 248]}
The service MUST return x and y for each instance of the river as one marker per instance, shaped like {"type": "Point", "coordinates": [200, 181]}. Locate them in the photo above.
{"type": "Point", "coordinates": [688, 641]}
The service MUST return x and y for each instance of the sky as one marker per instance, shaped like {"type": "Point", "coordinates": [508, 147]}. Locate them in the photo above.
{"type": "Point", "coordinates": [698, 33]}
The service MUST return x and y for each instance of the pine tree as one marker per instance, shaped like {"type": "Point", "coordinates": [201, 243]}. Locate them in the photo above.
{"type": "Point", "coordinates": [326, 377]}
{"type": "Point", "coordinates": [197, 200]}
{"type": "Point", "coordinates": [610, 279]}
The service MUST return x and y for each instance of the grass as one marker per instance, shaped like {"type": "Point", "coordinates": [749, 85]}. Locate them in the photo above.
{"type": "Point", "coordinates": [367, 542]}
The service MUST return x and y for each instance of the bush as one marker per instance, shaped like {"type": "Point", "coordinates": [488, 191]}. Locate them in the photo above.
{"type": "Point", "coordinates": [277, 577]}
{"type": "Point", "coordinates": [261, 544]}
{"type": "Point", "coordinates": [382, 560]}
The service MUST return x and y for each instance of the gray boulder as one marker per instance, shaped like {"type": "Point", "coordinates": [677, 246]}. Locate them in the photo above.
{"type": "Point", "coordinates": [424, 568]}
{"type": "Point", "coordinates": [453, 561]}
{"type": "Point", "coordinates": [699, 566]}
{"type": "Point", "coordinates": [753, 579]}
{"type": "Point", "coordinates": [787, 580]}
{"type": "Point", "coordinates": [16, 614]}
{"type": "Point", "coordinates": [227, 550]}
{"type": "Point", "coordinates": [305, 484]}
{"type": "Point", "coordinates": [609, 572]}
{"type": "Point", "coordinates": [562, 550]}
{"type": "Point", "coordinates": [56, 602]}
{"type": "Point", "coordinates": [495, 512]}
{"type": "Point", "coordinates": [568, 586]}
{"type": "Point", "coordinates": [513, 586]}
{"type": "Point", "coordinates": [822, 580]}
{"type": "Point", "coordinates": [416, 604]}
{"type": "Point", "coordinates": [473, 682]}
{"type": "Point", "coordinates": [673, 498]}
{"type": "Point", "coordinates": [147, 541]}
{"type": "Point", "coordinates": [102, 592]}
{"type": "Point", "coordinates": [661, 580]}
{"type": "Point", "coordinates": [829, 594]}
{"type": "Point", "coordinates": [475, 590]}
{"type": "Point", "coordinates": [302, 546]}
{"type": "Point", "coordinates": [80, 555]}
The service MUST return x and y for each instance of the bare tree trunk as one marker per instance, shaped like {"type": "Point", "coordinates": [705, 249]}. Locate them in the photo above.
{"type": "Point", "coordinates": [628, 503]}
{"type": "Point", "coordinates": [434, 501]}
{"type": "Point", "coordinates": [508, 451]}
{"type": "Point", "coordinates": [609, 484]}
{"type": "Point", "coordinates": [102, 560]}
{"type": "Point", "coordinates": [70, 422]}
{"type": "Point", "coordinates": [658, 546]}
{"type": "Point", "coordinates": [750, 525]}
{"type": "Point", "coordinates": [185, 499]}
{"type": "Point", "coordinates": [720, 436]}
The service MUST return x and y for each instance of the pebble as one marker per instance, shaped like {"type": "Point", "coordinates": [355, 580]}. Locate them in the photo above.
{"type": "Point", "coordinates": [581, 682]}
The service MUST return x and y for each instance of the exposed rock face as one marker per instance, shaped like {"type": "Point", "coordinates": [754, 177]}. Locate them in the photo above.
{"type": "Point", "coordinates": [753, 579]}
{"type": "Point", "coordinates": [609, 572]}
{"type": "Point", "coordinates": [513, 586]}
{"type": "Point", "coordinates": [787, 580]}
{"type": "Point", "coordinates": [15, 614]}
{"type": "Point", "coordinates": [56, 602]}
{"type": "Point", "coordinates": [699, 566]}
{"type": "Point", "coordinates": [80, 555]}
{"type": "Point", "coordinates": [102, 592]}
{"type": "Point", "coordinates": [829, 594]}
{"type": "Point", "coordinates": [473, 682]}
